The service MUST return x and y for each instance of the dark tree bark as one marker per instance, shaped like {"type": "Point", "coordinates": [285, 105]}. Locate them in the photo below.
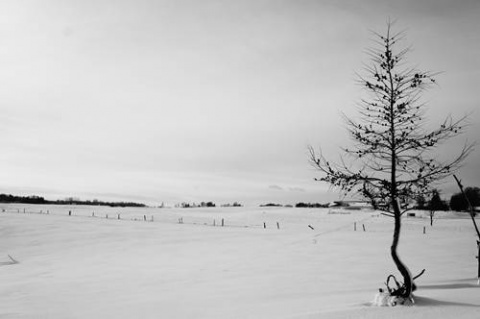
{"type": "Point", "coordinates": [402, 268]}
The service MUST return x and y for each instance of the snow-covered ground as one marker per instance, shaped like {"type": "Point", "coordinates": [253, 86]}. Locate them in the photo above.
{"type": "Point", "coordinates": [81, 266]}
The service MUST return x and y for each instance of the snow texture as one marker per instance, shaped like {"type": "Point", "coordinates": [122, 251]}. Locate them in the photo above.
{"type": "Point", "coordinates": [128, 266]}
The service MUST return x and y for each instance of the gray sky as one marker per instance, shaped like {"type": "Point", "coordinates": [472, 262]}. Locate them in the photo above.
{"type": "Point", "coordinates": [207, 100]}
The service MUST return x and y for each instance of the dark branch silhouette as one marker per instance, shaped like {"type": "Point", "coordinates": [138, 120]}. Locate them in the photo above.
{"type": "Point", "coordinates": [392, 160]}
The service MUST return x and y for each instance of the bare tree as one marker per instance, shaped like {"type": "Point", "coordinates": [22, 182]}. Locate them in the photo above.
{"type": "Point", "coordinates": [392, 160]}
{"type": "Point", "coordinates": [435, 204]}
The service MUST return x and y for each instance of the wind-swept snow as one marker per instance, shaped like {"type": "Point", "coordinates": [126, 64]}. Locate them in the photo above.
{"type": "Point", "coordinates": [81, 266]}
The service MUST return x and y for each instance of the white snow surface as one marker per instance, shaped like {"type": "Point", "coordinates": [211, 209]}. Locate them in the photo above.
{"type": "Point", "coordinates": [81, 266]}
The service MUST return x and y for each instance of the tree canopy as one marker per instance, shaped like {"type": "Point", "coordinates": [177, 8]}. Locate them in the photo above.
{"type": "Point", "coordinates": [459, 203]}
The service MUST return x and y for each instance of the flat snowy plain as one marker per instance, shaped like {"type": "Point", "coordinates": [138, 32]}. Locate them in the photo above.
{"type": "Point", "coordinates": [81, 266]}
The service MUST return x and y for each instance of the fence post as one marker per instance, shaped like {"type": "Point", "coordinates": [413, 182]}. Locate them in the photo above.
{"type": "Point", "coordinates": [223, 222]}
{"type": "Point", "coordinates": [355, 226]}
{"type": "Point", "coordinates": [264, 225]}
{"type": "Point", "coordinates": [424, 230]}
{"type": "Point", "coordinates": [118, 216]}
{"type": "Point", "coordinates": [278, 225]}
{"type": "Point", "coordinates": [363, 225]}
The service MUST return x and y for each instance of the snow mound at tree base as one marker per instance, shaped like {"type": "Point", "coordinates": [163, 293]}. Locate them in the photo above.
{"type": "Point", "coordinates": [384, 299]}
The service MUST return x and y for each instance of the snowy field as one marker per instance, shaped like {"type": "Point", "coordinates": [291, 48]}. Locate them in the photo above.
{"type": "Point", "coordinates": [149, 265]}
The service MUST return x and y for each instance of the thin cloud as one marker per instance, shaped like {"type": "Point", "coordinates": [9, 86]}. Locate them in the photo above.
{"type": "Point", "coordinates": [275, 187]}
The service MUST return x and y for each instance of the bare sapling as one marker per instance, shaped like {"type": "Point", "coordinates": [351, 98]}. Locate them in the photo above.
{"type": "Point", "coordinates": [392, 160]}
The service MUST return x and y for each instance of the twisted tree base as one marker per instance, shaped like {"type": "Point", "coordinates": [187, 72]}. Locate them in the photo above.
{"type": "Point", "coordinates": [395, 295]}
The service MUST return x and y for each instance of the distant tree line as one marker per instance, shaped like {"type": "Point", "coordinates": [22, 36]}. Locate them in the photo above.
{"type": "Point", "coordinates": [311, 205]}
{"type": "Point", "coordinates": [235, 204]}
{"type": "Point", "coordinates": [457, 201]}
{"type": "Point", "coordinates": [195, 205]}
{"type": "Point", "coordinates": [271, 205]}
{"type": "Point", "coordinates": [4, 198]}
{"type": "Point", "coordinates": [435, 203]}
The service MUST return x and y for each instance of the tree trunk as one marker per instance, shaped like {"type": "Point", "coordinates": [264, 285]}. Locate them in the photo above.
{"type": "Point", "coordinates": [402, 268]}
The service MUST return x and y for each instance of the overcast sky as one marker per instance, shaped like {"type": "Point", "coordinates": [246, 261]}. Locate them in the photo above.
{"type": "Point", "coordinates": [207, 100]}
